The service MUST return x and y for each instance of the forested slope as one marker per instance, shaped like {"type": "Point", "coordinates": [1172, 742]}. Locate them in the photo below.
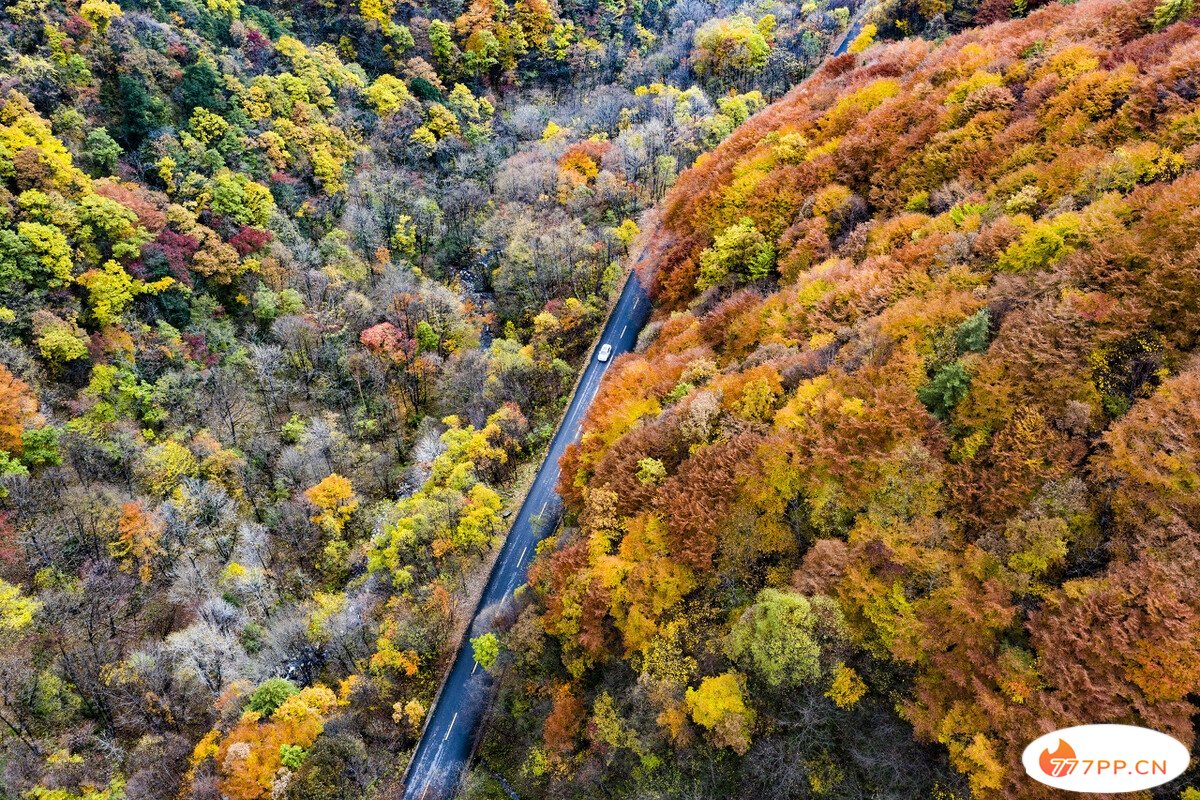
{"type": "Point", "coordinates": [289, 292]}
{"type": "Point", "coordinates": [915, 432]}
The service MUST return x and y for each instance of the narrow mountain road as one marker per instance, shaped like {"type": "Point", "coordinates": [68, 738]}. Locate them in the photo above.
{"type": "Point", "coordinates": [441, 756]}
{"type": "Point", "coordinates": [856, 26]}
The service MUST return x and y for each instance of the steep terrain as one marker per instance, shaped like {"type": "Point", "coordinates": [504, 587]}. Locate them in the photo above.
{"type": "Point", "coordinates": [290, 293]}
{"type": "Point", "coordinates": [915, 432]}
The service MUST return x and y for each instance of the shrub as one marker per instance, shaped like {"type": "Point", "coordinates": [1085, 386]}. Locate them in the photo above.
{"type": "Point", "coordinates": [270, 695]}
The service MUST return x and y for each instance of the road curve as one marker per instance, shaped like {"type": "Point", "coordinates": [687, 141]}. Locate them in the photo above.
{"type": "Point", "coordinates": [437, 765]}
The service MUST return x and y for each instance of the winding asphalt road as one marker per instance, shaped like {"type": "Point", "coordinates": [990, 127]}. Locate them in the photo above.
{"type": "Point", "coordinates": [437, 765]}
{"type": "Point", "coordinates": [441, 756]}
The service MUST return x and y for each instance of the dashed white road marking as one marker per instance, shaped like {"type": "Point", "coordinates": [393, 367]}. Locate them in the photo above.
{"type": "Point", "coordinates": [433, 769]}
{"type": "Point", "coordinates": [591, 392]}
{"type": "Point", "coordinates": [437, 757]}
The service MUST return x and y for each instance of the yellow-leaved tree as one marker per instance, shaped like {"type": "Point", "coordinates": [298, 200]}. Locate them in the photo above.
{"type": "Point", "coordinates": [719, 706]}
{"type": "Point", "coordinates": [251, 754]}
{"type": "Point", "coordinates": [336, 501]}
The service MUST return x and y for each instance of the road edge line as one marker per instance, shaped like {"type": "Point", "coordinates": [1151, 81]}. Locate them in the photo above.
{"type": "Point", "coordinates": [634, 258]}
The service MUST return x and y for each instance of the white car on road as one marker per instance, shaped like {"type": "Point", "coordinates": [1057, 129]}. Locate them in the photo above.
{"type": "Point", "coordinates": [604, 353]}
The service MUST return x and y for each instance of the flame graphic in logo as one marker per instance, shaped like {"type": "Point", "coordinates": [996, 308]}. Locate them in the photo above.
{"type": "Point", "coordinates": [1060, 762]}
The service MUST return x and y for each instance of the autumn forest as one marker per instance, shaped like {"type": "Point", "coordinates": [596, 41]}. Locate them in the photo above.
{"type": "Point", "coordinates": [903, 473]}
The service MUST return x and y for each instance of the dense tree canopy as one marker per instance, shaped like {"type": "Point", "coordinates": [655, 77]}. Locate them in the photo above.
{"type": "Point", "coordinates": [914, 428]}
{"type": "Point", "coordinates": [291, 296]}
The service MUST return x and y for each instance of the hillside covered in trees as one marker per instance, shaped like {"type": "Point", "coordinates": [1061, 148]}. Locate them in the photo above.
{"type": "Point", "coordinates": [908, 471]}
{"type": "Point", "coordinates": [290, 296]}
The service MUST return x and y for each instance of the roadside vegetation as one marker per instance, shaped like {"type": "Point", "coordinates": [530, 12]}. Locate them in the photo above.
{"type": "Point", "coordinates": [288, 293]}
{"type": "Point", "coordinates": [906, 473]}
